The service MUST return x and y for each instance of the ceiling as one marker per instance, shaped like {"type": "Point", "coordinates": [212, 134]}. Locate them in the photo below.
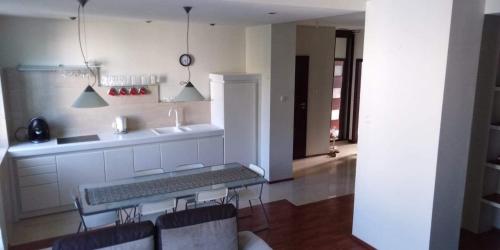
{"type": "Point", "coordinates": [347, 21]}
{"type": "Point", "coordinates": [238, 12]}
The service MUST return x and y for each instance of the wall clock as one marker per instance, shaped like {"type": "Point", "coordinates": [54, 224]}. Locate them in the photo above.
{"type": "Point", "coordinates": [186, 60]}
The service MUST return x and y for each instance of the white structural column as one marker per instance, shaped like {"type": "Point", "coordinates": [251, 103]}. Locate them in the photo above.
{"type": "Point", "coordinates": [419, 77]}
{"type": "Point", "coordinates": [270, 51]}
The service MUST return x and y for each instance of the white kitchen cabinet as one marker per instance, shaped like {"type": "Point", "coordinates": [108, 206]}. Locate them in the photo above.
{"type": "Point", "coordinates": [178, 153]}
{"type": "Point", "coordinates": [76, 169]}
{"type": "Point", "coordinates": [45, 183]}
{"type": "Point", "coordinates": [119, 163]}
{"type": "Point", "coordinates": [211, 150]}
{"type": "Point", "coordinates": [147, 157]}
{"type": "Point", "coordinates": [35, 161]}
{"type": "Point", "coordinates": [234, 108]}
{"type": "Point", "coordinates": [37, 183]}
{"type": "Point", "coordinates": [39, 197]}
{"type": "Point", "coordinates": [39, 179]}
{"type": "Point", "coordinates": [45, 169]}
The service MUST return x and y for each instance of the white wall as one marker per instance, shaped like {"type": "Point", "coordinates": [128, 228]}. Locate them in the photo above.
{"type": "Point", "coordinates": [126, 47]}
{"type": "Point", "coordinates": [271, 52]}
{"type": "Point", "coordinates": [258, 60]}
{"type": "Point", "coordinates": [319, 44]}
{"type": "Point", "coordinates": [401, 128]}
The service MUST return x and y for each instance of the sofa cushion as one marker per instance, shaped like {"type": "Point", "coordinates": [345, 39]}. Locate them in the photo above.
{"type": "Point", "coordinates": [249, 241]}
{"type": "Point", "coordinates": [212, 227]}
{"type": "Point", "coordinates": [127, 236]}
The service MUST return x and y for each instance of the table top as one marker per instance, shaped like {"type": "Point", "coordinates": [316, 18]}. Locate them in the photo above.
{"type": "Point", "coordinates": [101, 197]}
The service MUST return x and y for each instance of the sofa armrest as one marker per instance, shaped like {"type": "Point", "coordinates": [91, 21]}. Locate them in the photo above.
{"type": "Point", "coordinates": [249, 241]}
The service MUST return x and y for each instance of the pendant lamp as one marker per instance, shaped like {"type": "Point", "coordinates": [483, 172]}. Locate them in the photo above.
{"type": "Point", "coordinates": [89, 98]}
{"type": "Point", "coordinates": [189, 93]}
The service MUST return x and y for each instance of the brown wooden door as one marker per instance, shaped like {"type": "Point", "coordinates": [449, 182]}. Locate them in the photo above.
{"type": "Point", "coordinates": [300, 116]}
{"type": "Point", "coordinates": [357, 87]}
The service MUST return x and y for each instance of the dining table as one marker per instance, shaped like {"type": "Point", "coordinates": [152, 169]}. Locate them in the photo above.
{"type": "Point", "coordinates": [129, 193]}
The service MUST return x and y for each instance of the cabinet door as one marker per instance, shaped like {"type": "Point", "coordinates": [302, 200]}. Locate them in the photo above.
{"type": "Point", "coordinates": [39, 197]}
{"type": "Point", "coordinates": [211, 151]}
{"type": "Point", "coordinates": [119, 163]}
{"type": "Point", "coordinates": [76, 169]}
{"type": "Point", "coordinates": [178, 153]}
{"type": "Point", "coordinates": [147, 157]}
{"type": "Point", "coordinates": [36, 161]}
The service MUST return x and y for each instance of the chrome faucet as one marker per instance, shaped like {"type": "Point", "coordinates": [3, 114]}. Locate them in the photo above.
{"type": "Point", "coordinates": [177, 123]}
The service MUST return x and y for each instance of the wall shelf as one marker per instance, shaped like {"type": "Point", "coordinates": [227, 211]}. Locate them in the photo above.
{"type": "Point", "coordinates": [54, 68]}
{"type": "Point", "coordinates": [492, 199]}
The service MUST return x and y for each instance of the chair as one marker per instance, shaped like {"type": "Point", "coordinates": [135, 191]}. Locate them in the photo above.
{"type": "Point", "coordinates": [151, 208]}
{"type": "Point", "coordinates": [95, 220]}
{"type": "Point", "coordinates": [125, 236]}
{"type": "Point", "coordinates": [253, 193]}
{"type": "Point", "coordinates": [190, 199]}
{"type": "Point", "coordinates": [217, 196]}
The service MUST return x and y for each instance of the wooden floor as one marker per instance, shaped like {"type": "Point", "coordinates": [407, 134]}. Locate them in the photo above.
{"type": "Point", "coordinates": [322, 225]}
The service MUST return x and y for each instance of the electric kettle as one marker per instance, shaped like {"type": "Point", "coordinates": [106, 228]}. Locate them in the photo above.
{"type": "Point", "coordinates": [120, 125]}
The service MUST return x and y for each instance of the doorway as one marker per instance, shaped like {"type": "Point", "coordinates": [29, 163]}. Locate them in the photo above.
{"type": "Point", "coordinates": [300, 107]}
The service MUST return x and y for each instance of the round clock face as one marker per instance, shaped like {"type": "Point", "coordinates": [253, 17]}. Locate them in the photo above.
{"type": "Point", "coordinates": [185, 60]}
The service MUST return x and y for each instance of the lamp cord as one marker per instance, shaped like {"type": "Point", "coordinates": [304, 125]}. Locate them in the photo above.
{"type": "Point", "coordinates": [80, 14]}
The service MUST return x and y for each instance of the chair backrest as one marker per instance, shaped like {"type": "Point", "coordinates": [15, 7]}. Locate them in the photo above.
{"type": "Point", "coordinates": [126, 236]}
{"type": "Point", "coordinates": [100, 219]}
{"type": "Point", "coordinates": [212, 227]}
{"type": "Point", "coordinates": [95, 220]}
{"type": "Point", "coordinates": [257, 169]}
{"type": "Point", "coordinates": [211, 195]}
{"type": "Point", "coordinates": [149, 172]}
{"type": "Point", "coordinates": [189, 166]}
{"type": "Point", "coordinates": [149, 208]}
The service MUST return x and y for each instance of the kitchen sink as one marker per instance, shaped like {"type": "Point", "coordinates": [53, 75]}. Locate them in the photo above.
{"type": "Point", "coordinates": [170, 130]}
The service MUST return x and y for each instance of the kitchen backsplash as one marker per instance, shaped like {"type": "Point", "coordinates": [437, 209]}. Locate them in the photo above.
{"type": "Point", "coordinates": [50, 94]}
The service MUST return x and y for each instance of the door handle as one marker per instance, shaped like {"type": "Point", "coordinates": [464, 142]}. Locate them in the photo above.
{"type": "Point", "coordinates": [303, 105]}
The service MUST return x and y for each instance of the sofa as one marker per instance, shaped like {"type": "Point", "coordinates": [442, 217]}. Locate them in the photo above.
{"type": "Point", "coordinates": [125, 236]}
{"type": "Point", "coordinates": [213, 227]}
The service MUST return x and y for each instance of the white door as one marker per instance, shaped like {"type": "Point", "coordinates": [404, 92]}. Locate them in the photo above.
{"type": "Point", "coordinates": [240, 112]}
{"type": "Point", "coordinates": [147, 157]}
{"type": "Point", "coordinates": [178, 153]}
{"type": "Point", "coordinates": [211, 150]}
{"type": "Point", "coordinates": [119, 163]}
{"type": "Point", "coordinates": [76, 169]}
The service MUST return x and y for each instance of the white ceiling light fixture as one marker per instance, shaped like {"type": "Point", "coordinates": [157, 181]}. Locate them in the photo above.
{"type": "Point", "coordinates": [189, 93]}
{"type": "Point", "coordinates": [89, 98]}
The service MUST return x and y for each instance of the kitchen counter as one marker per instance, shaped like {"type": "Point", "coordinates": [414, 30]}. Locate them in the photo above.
{"type": "Point", "coordinates": [108, 140]}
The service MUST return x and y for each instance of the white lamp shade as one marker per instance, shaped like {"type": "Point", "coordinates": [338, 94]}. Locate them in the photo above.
{"type": "Point", "coordinates": [89, 99]}
{"type": "Point", "coordinates": [189, 94]}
